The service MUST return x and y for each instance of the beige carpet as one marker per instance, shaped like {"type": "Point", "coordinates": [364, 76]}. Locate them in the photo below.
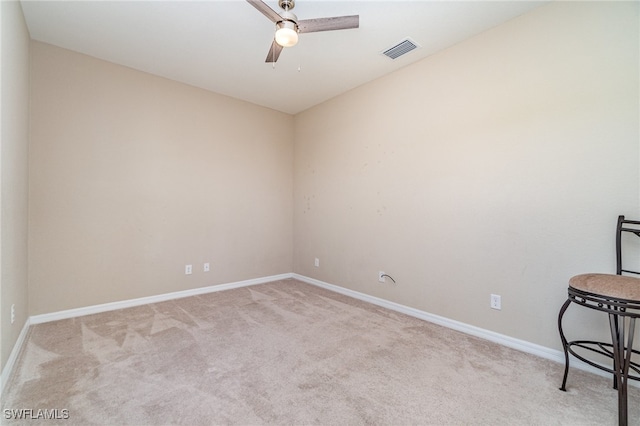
{"type": "Point", "coordinates": [289, 353]}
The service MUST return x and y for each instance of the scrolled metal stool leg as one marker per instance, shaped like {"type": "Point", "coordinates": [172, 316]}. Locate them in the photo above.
{"type": "Point", "coordinates": [565, 345]}
{"type": "Point", "coordinates": [622, 360]}
{"type": "Point", "coordinates": [615, 329]}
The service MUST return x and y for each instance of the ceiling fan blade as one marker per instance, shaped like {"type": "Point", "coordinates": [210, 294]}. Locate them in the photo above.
{"type": "Point", "coordinates": [328, 24]}
{"type": "Point", "coordinates": [274, 52]}
{"type": "Point", "coordinates": [266, 10]}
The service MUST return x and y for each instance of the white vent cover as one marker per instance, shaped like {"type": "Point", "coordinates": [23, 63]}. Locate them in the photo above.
{"type": "Point", "coordinates": [405, 46]}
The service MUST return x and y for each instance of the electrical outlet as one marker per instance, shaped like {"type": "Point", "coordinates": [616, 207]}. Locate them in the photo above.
{"type": "Point", "coordinates": [207, 267]}
{"type": "Point", "coordinates": [188, 269]}
{"type": "Point", "coordinates": [381, 277]}
{"type": "Point", "coordinates": [13, 313]}
{"type": "Point", "coordinates": [496, 302]}
{"type": "Point", "coordinates": [317, 263]}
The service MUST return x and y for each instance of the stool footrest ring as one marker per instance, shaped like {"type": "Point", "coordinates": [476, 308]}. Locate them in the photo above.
{"type": "Point", "coordinates": [605, 349]}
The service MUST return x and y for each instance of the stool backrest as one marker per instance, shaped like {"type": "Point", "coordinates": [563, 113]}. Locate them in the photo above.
{"type": "Point", "coordinates": [624, 225]}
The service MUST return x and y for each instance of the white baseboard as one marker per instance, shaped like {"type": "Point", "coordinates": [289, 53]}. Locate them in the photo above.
{"type": "Point", "coordinates": [521, 345]}
{"type": "Point", "coordinates": [105, 307]}
{"type": "Point", "coordinates": [13, 356]}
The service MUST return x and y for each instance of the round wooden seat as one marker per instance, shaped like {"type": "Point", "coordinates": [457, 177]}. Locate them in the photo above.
{"type": "Point", "coordinates": [610, 286]}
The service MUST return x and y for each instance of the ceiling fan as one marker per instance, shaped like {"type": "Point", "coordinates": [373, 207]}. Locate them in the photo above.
{"type": "Point", "coordinates": [288, 26]}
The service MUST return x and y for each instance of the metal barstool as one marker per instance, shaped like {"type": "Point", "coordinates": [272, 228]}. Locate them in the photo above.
{"type": "Point", "coordinates": [619, 297]}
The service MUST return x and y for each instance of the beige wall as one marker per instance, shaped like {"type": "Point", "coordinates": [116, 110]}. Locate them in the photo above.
{"type": "Point", "coordinates": [134, 176]}
{"type": "Point", "coordinates": [14, 138]}
{"type": "Point", "coordinates": [497, 166]}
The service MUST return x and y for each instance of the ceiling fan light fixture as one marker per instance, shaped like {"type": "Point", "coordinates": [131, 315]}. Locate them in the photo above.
{"type": "Point", "coordinates": [287, 33]}
{"type": "Point", "coordinates": [287, 27]}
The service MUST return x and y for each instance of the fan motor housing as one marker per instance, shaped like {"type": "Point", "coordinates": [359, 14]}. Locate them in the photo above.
{"type": "Point", "coordinates": [289, 17]}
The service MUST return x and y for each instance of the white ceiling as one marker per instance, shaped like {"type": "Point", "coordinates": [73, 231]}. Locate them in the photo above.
{"type": "Point", "coordinates": [222, 45]}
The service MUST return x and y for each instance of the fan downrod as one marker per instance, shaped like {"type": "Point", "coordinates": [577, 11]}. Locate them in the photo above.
{"type": "Point", "coordinates": [287, 4]}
